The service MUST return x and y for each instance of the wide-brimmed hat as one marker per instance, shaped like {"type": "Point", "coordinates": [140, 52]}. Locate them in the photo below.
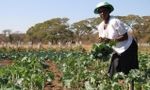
{"type": "Point", "coordinates": [103, 4]}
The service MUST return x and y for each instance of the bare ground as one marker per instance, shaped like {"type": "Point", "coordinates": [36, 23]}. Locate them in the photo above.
{"type": "Point", "coordinates": [5, 62]}
{"type": "Point", "coordinates": [56, 84]}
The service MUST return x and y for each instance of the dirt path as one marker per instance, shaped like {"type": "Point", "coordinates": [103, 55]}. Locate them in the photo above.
{"type": "Point", "coordinates": [5, 62]}
{"type": "Point", "coordinates": [56, 84]}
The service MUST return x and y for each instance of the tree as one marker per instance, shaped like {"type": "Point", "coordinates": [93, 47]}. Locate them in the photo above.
{"type": "Point", "coordinates": [7, 35]}
{"type": "Point", "coordinates": [81, 29]}
{"type": "Point", "coordinates": [53, 30]}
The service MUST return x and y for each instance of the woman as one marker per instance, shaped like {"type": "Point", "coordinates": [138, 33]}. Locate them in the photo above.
{"type": "Point", "coordinates": [125, 56]}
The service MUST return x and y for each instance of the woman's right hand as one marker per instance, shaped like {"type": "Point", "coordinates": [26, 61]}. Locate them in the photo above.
{"type": "Point", "coordinates": [104, 40]}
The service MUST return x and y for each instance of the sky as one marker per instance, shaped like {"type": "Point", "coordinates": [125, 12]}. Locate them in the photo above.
{"type": "Point", "coordinates": [20, 15]}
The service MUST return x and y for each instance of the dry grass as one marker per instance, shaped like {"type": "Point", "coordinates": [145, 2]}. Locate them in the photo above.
{"type": "Point", "coordinates": [145, 49]}
{"type": "Point", "coordinates": [87, 47]}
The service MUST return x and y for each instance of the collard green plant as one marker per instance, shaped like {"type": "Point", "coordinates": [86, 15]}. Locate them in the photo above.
{"type": "Point", "coordinates": [101, 51]}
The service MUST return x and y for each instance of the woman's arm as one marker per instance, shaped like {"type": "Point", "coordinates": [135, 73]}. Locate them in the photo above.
{"type": "Point", "coordinates": [104, 40]}
{"type": "Point", "coordinates": [118, 39]}
{"type": "Point", "coordinates": [122, 37]}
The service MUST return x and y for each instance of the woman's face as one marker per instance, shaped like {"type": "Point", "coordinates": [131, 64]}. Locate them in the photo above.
{"type": "Point", "coordinates": [104, 13]}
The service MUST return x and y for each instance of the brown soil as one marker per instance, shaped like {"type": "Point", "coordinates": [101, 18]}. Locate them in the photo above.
{"type": "Point", "coordinates": [5, 62]}
{"type": "Point", "coordinates": [56, 84]}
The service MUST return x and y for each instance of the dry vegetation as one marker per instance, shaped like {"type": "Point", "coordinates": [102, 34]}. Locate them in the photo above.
{"type": "Point", "coordinates": [86, 47]}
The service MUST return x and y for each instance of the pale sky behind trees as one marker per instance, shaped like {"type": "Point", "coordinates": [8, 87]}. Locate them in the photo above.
{"type": "Point", "coordinates": [19, 15]}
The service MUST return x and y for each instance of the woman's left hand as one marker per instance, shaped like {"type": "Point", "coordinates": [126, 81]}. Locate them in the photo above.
{"type": "Point", "coordinates": [104, 40]}
{"type": "Point", "coordinates": [122, 37]}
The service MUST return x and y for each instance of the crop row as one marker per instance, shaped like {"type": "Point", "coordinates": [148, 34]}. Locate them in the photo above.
{"type": "Point", "coordinates": [80, 71]}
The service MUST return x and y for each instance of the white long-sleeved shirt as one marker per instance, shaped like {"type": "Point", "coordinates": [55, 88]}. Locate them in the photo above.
{"type": "Point", "coordinates": [114, 29]}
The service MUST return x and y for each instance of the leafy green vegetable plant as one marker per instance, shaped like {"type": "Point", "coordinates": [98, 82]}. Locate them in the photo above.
{"type": "Point", "coordinates": [101, 51]}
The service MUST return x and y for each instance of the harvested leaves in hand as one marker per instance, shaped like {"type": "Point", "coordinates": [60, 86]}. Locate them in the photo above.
{"type": "Point", "coordinates": [101, 51]}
